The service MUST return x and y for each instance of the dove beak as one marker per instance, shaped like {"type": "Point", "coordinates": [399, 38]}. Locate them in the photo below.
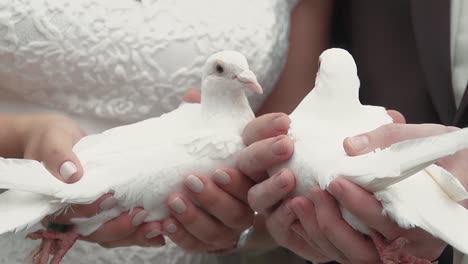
{"type": "Point", "coordinates": [248, 78]}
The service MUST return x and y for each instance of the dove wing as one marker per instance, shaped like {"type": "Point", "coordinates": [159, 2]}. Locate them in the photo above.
{"type": "Point", "coordinates": [147, 132]}
{"type": "Point", "coordinates": [420, 202]}
{"type": "Point", "coordinates": [20, 211]}
{"type": "Point", "coordinates": [162, 164]}
{"type": "Point", "coordinates": [203, 150]}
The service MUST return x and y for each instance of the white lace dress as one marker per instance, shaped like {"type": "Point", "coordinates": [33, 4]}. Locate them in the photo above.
{"type": "Point", "coordinates": [111, 62]}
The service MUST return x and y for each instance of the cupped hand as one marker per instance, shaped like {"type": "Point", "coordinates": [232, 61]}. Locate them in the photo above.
{"type": "Point", "coordinates": [51, 139]}
{"type": "Point", "coordinates": [212, 212]}
{"type": "Point", "coordinates": [365, 207]}
{"type": "Point", "coordinates": [312, 226]}
{"type": "Point", "coordinates": [273, 197]}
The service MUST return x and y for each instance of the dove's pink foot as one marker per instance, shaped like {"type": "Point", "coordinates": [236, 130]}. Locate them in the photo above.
{"type": "Point", "coordinates": [392, 253]}
{"type": "Point", "coordinates": [53, 243]}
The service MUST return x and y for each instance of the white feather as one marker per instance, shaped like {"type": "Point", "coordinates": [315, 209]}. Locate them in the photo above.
{"type": "Point", "coordinates": [20, 211]}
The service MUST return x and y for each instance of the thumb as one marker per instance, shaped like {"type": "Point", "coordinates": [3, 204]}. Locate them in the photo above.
{"type": "Point", "coordinates": [360, 144]}
{"type": "Point", "coordinates": [62, 162]}
{"type": "Point", "coordinates": [389, 134]}
{"type": "Point", "coordinates": [51, 141]}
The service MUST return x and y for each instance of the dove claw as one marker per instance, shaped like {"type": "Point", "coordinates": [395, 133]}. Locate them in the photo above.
{"type": "Point", "coordinates": [54, 243]}
{"type": "Point", "coordinates": [392, 253]}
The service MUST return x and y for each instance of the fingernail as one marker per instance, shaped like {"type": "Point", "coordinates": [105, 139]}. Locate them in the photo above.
{"type": "Point", "coordinates": [358, 143]}
{"type": "Point", "coordinates": [280, 179]}
{"type": "Point", "coordinates": [67, 169]}
{"type": "Point", "coordinates": [108, 203]}
{"type": "Point", "coordinates": [281, 123]}
{"type": "Point", "coordinates": [139, 218]}
{"type": "Point", "coordinates": [171, 228]}
{"type": "Point", "coordinates": [194, 184]}
{"type": "Point", "coordinates": [178, 205]}
{"type": "Point", "coordinates": [221, 177]}
{"type": "Point", "coordinates": [153, 233]}
{"type": "Point", "coordinates": [280, 147]}
{"type": "Point", "coordinates": [335, 189]}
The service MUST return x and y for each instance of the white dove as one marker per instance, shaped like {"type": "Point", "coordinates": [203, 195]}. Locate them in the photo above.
{"type": "Point", "coordinates": [142, 163]}
{"type": "Point", "coordinates": [413, 192]}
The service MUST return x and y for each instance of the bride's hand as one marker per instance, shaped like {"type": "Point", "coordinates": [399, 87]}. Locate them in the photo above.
{"type": "Point", "coordinates": [50, 139]}
{"type": "Point", "coordinates": [213, 211]}
{"type": "Point", "coordinates": [211, 214]}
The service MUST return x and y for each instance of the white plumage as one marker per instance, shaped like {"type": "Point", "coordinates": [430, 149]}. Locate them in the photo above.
{"type": "Point", "coordinates": [413, 192]}
{"type": "Point", "coordinates": [142, 163]}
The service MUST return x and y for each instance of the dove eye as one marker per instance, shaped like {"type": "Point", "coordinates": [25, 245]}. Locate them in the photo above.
{"type": "Point", "coordinates": [219, 69]}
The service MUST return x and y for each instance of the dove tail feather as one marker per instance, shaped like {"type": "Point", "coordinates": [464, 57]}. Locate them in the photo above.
{"type": "Point", "coordinates": [27, 175]}
{"type": "Point", "coordinates": [420, 202]}
{"type": "Point", "coordinates": [20, 211]}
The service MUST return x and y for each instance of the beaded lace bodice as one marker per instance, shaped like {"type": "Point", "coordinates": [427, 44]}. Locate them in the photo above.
{"type": "Point", "coordinates": [130, 60]}
{"type": "Point", "coordinates": [124, 61]}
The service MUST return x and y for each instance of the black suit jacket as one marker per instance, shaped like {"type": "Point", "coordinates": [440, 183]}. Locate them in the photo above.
{"type": "Point", "coordinates": [402, 52]}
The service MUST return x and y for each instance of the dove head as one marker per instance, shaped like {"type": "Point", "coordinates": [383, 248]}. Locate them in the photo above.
{"type": "Point", "coordinates": [225, 78]}
{"type": "Point", "coordinates": [337, 76]}
{"type": "Point", "coordinates": [228, 70]}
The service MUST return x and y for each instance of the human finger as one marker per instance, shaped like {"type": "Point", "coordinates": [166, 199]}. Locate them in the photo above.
{"type": "Point", "coordinates": [215, 201]}
{"type": "Point", "coordinates": [266, 126]}
{"type": "Point", "coordinates": [200, 224]}
{"type": "Point", "coordinates": [389, 134]}
{"type": "Point", "coordinates": [396, 116]}
{"type": "Point", "coordinates": [257, 158]}
{"type": "Point", "coordinates": [119, 227]}
{"type": "Point", "coordinates": [364, 206]}
{"type": "Point", "coordinates": [146, 235]}
{"type": "Point", "coordinates": [184, 239]}
{"type": "Point", "coordinates": [264, 196]}
{"type": "Point", "coordinates": [105, 202]}
{"type": "Point", "coordinates": [348, 241]}
{"type": "Point", "coordinates": [233, 182]}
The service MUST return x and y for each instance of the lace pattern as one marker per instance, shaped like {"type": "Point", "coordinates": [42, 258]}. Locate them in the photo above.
{"type": "Point", "coordinates": [128, 60]}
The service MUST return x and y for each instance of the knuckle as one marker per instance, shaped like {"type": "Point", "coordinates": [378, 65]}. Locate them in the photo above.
{"type": "Point", "coordinates": [52, 152]}
{"type": "Point", "coordinates": [257, 157]}
{"type": "Point", "coordinates": [326, 228]}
